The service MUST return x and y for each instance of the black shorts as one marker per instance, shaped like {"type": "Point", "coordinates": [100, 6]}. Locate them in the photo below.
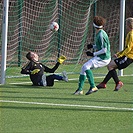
{"type": "Point", "coordinates": [50, 80]}
{"type": "Point", "coordinates": [123, 62]}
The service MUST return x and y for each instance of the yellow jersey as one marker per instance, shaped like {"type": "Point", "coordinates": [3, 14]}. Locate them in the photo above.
{"type": "Point", "coordinates": [128, 50]}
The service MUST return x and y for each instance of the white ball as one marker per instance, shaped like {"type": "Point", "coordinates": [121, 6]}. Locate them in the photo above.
{"type": "Point", "coordinates": [54, 26]}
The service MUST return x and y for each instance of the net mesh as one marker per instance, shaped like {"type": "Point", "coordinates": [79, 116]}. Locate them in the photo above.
{"type": "Point", "coordinates": [28, 30]}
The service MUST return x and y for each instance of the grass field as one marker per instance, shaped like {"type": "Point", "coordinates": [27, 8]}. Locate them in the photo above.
{"type": "Point", "coordinates": [28, 109]}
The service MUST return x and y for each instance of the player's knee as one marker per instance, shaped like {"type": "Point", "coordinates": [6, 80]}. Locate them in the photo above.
{"type": "Point", "coordinates": [110, 66]}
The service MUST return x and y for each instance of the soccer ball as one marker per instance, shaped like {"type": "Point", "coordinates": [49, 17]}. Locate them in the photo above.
{"type": "Point", "coordinates": [54, 26]}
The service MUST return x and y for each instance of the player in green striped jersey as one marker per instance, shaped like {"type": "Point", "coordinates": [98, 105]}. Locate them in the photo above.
{"type": "Point", "coordinates": [100, 58]}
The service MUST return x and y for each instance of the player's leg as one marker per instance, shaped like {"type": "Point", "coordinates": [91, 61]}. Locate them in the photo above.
{"type": "Point", "coordinates": [58, 77]}
{"type": "Point", "coordinates": [82, 78]}
{"type": "Point", "coordinates": [112, 71]}
{"type": "Point", "coordinates": [96, 62]}
{"type": "Point", "coordinates": [65, 77]}
{"type": "Point", "coordinates": [85, 71]}
{"type": "Point", "coordinates": [119, 63]}
{"type": "Point", "coordinates": [90, 78]}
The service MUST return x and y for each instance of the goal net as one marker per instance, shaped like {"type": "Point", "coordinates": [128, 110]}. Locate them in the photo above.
{"type": "Point", "coordinates": [28, 30]}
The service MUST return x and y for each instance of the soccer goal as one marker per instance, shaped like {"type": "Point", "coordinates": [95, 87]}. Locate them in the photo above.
{"type": "Point", "coordinates": [28, 30]}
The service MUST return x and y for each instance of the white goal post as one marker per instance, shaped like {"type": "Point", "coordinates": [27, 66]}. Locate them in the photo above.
{"type": "Point", "coordinates": [122, 25]}
{"type": "Point", "coordinates": [4, 41]}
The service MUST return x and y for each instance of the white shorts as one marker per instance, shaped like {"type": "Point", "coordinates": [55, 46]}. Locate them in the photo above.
{"type": "Point", "coordinates": [94, 62]}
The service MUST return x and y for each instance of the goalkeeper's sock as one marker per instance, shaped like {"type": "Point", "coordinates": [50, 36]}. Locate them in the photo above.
{"type": "Point", "coordinates": [58, 77]}
{"type": "Point", "coordinates": [81, 82]}
{"type": "Point", "coordinates": [90, 77]}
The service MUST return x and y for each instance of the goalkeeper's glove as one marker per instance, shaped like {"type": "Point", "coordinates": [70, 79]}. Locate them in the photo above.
{"type": "Point", "coordinates": [61, 59]}
{"type": "Point", "coordinates": [88, 53]}
{"type": "Point", "coordinates": [89, 46]}
{"type": "Point", "coordinates": [35, 71]}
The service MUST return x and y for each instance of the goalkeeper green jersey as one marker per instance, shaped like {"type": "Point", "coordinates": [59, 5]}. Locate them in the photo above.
{"type": "Point", "coordinates": [102, 41]}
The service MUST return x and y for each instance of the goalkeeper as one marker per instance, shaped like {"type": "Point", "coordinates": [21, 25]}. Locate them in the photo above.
{"type": "Point", "coordinates": [36, 71]}
{"type": "Point", "coordinates": [100, 58]}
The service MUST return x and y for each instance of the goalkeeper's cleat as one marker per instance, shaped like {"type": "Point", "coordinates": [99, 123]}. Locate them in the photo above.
{"type": "Point", "coordinates": [78, 92]}
{"type": "Point", "coordinates": [91, 90]}
{"type": "Point", "coordinates": [61, 59]}
{"type": "Point", "coordinates": [65, 78]}
{"type": "Point", "coordinates": [101, 86]}
{"type": "Point", "coordinates": [118, 86]}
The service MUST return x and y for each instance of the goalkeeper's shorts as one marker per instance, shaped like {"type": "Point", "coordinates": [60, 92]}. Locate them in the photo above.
{"type": "Point", "coordinates": [46, 81]}
{"type": "Point", "coordinates": [50, 80]}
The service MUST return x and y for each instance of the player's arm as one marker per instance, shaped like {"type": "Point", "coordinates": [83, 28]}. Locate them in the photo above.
{"type": "Point", "coordinates": [51, 70]}
{"type": "Point", "coordinates": [61, 59]}
{"type": "Point", "coordinates": [101, 51]}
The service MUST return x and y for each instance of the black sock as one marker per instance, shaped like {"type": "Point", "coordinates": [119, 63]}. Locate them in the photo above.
{"type": "Point", "coordinates": [114, 76]}
{"type": "Point", "coordinates": [111, 74]}
{"type": "Point", "coordinates": [108, 77]}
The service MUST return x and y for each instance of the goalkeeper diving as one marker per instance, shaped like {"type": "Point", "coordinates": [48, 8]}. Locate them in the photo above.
{"type": "Point", "coordinates": [36, 70]}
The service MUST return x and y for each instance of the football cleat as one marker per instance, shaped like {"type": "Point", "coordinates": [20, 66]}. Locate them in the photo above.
{"type": "Point", "coordinates": [118, 86]}
{"type": "Point", "coordinates": [78, 92]}
{"type": "Point", "coordinates": [65, 78]}
{"type": "Point", "coordinates": [91, 90]}
{"type": "Point", "coordinates": [101, 86]}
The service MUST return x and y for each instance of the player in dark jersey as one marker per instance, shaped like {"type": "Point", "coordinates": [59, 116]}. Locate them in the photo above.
{"type": "Point", "coordinates": [36, 71]}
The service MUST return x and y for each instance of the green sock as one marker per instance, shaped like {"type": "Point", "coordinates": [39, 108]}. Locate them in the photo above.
{"type": "Point", "coordinates": [81, 81]}
{"type": "Point", "coordinates": [90, 77]}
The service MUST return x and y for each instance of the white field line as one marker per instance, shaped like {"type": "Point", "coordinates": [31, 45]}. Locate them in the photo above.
{"type": "Point", "coordinates": [65, 105]}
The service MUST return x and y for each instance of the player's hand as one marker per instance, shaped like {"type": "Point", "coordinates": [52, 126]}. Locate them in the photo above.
{"type": "Point", "coordinates": [35, 71]}
{"type": "Point", "coordinates": [88, 53]}
{"type": "Point", "coordinates": [89, 46]}
{"type": "Point", "coordinates": [115, 56]}
{"type": "Point", "coordinates": [61, 59]}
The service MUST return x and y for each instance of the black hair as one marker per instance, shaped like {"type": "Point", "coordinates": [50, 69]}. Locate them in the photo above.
{"type": "Point", "coordinates": [28, 56]}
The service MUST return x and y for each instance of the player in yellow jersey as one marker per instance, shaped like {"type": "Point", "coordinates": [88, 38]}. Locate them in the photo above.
{"type": "Point", "coordinates": [123, 58]}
